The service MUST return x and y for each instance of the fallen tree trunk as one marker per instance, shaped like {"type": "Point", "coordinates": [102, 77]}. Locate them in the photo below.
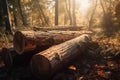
{"type": "Point", "coordinates": [7, 56]}
{"type": "Point", "coordinates": [63, 28]}
{"type": "Point", "coordinates": [25, 41]}
{"type": "Point", "coordinates": [10, 57]}
{"type": "Point", "coordinates": [54, 58]}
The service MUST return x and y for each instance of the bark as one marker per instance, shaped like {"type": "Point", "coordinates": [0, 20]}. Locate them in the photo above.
{"type": "Point", "coordinates": [46, 63]}
{"type": "Point", "coordinates": [68, 9]}
{"type": "Point", "coordinates": [65, 19]}
{"type": "Point", "coordinates": [5, 13]}
{"type": "Point", "coordinates": [92, 15]}
{"type": "Point", "coordinates": [45, 18]}
{"type": "Point", "coordinates": [104, 12]}
{"type": "Point", "coordinates": [74, 16]}
{"type": "Point", "coordinates": [15, 19]}
{"type": "Point", "coordinates": [63, 28]}
{"type": "Point", "coordinates": [41, 17]}
{"type": "Point", "coordinates": [21, 13]}
{"type": "Point", "coordinates": [0, 13]}
{"type": "Point", "coordinates": [70, 16]}
{"type": "Point", "coordinates": [29, 40]}
{"type": "Point", "coordinates": [6, 57]}
{"type": "Point", "coordinates": [43, 14]}
{"type": "Point", "coordinates": [56, 12]}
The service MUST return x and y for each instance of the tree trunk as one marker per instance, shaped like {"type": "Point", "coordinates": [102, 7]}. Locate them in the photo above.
{"type": "Point", "coordinates": [46, 21]}
{"type": "Point", "coordinates": [6, 57]}
{"type": "Point", "coordinates": [45, 18]}
{"type": "Point", "coordinates": [15, 19]}
{"type": "Point", "coordinates": [74, 16]}
{"type": "Point", "coordinates": [92, 15]}
{"type": "Point", "coordinates": [104, 12]}
{"type": "Point", "coordinates": [63, 28]}
{"type": "Point", "coordinates": [70, 16]}
{"type": "Point", "coordinates": [29, 40]}
{"type": "Point", "coordinates": [56, 12]}
{"type": "Point", "coordinates": [22, 15]}
{"type": "Point", "coordinates": [1, 13]}
{"type": "Point", "coordinates": [65, 19]}
{"type": "Point", "coordinates": [41, 17]}
{"type": "Point", "coordinates": [51, 60]}
{"type": "Point", "coordinates": [67, 10]}
{"type": "Point", "coordinates": [6, 17]}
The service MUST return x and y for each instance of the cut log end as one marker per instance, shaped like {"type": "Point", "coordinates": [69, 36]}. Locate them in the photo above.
{"type": "Point", "coordinates": [19, 42]}
{"type": "Point", "coordinates": [40, 65]}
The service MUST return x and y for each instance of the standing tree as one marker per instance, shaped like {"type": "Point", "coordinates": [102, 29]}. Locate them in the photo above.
{"type": "Point", "coordinates": [74, 16]}
{"type": "Point", "coordinates": [24, 20]}
{"type": "Point", "coordinates": [5, 14]}
{"type": "Point", "coordinates": [56, 12]}
{"type": "Point", "coordinates": [0, 13]}
{"type": "Point", "coordinates": [46, 21]}
{"type": "Point", "coordinates": [70, 16]}
{"type": "Point", "coordinates": [92, 15]}
{"type": "Point", "coordinates": [117, 10]}
{"type": "Point", "coordinates": [107, 18]}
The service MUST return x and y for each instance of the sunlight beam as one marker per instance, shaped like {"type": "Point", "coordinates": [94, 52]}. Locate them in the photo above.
{"type": "Point", "coordinates": [84, 5]}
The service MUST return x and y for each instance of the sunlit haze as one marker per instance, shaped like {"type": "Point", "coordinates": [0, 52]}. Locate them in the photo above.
{"type": "Point", "coordinates": [84, 5]}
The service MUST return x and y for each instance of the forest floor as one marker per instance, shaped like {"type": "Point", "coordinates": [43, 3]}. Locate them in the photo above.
{"type": "Point", "coordinates": [100, 62]}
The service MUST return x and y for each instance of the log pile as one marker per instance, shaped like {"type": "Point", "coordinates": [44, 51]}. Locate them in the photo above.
{"type": "Point", "coordinates": [45, 51]}
{"type": "Point", "coordinates": [52, 59]}
{"type": "Point", "coordinates": [74, 59]}
{"type": "Point", "coordinates": [25, 41]}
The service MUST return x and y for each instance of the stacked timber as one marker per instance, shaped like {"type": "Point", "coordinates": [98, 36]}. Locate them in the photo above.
{"type": "Point", "coordinates": [49, 61]}
{"type": "Point", "coordinates": [25, 41]}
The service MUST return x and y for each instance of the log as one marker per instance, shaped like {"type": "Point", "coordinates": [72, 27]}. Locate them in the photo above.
{"type": "Point", "coordinates": [6, 57]}
{"type": "Point", "coordinates": [63, 28]}
{"type": "Point", "coordinates": [2, 64]}
{"type": "Point", "coordinates": [25, 41]}
{"type": "Point", "coordinates": [49, 61]}
{"type": "Point", "coordinates": [11, 58]}
{"type": "Point", "coordinates": [0, 51]}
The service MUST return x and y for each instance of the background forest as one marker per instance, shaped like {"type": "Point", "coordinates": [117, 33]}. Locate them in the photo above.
{"type": "Point", "coordinates": [47, 13]}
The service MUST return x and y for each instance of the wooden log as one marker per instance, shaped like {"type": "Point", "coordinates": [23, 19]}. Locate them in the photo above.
{"type": "Point", "coordinates": [25, 41]}
{"type": "Point", "coordinates": [2, 64]}
{"type": "Point", "coordinates": [6, 57]}
{"type": "Point", "coordinates": [0, 51]}
{"type": "Point", "coordinates": [54, 58]}
{"type": "Point", "coordinates": [11, 58]}
{"type": "Point", "coordinates": [63, 28]}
